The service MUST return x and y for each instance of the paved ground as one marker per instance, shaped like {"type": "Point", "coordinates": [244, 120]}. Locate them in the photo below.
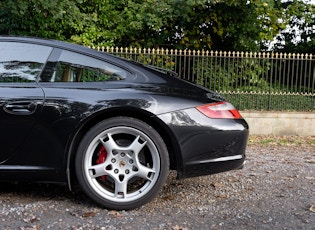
{"type": "Point", "coordinates": [275, 190]}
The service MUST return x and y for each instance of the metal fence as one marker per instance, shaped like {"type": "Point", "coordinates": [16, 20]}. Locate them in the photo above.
{"type": "Point", "coordinates": [251, 81]}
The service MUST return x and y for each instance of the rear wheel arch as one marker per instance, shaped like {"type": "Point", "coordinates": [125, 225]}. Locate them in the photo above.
{"type": "Point", "coordinates": [149, 118]}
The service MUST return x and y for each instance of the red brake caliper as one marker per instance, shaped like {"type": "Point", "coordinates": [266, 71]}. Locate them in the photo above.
{"type": "Point", "coordinates": [102, 154]}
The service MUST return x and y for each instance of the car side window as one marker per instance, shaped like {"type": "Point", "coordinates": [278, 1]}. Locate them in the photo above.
{"type": "Point", "coordinates": [22, 62]}
{"type": "Point", "coordinates": [74, 67]}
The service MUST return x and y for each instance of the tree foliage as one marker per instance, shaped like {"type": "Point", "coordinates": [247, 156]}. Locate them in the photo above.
{"type": "Point", "coordinates": [191, 24]}
{"type": "Point", "coordinates": [41, 18]}
{"type": "Point", "coordinates": [300, 37]}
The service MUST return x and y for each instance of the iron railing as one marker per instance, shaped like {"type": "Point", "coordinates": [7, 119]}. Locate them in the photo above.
{"type": "Point", "coordinates": [251, 81]}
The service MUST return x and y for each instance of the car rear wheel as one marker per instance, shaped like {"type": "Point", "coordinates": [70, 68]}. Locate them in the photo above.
{"type": "Point", "coordinates": [122, 163]}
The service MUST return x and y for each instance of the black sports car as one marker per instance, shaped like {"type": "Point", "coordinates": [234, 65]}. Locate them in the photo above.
{"type": "Point", "coordinates": [73, 114]}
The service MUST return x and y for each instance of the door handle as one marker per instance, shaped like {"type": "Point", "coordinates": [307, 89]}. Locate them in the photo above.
{"type": "Point", "coordinates": [21, 107]}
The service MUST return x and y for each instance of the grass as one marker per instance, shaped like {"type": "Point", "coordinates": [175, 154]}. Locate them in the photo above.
{"type": "Point", "coordinates": [266, 140]}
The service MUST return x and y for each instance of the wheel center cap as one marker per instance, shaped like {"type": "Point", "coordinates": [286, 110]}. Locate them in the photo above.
{"type": "Point", "coordinates": [122, 164]}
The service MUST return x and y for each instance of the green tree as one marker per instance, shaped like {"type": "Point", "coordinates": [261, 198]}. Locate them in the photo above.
{"type": "Point", "coordinates": [41, 18]}
{"type": "Point", "coordinates": [300, 36]}
{"type": "Point", "coordinates": [121, 22]}
{"type": "Point", "coordinates": [87, 22]}
{"type": "Point", "coordinates": [243, 25]}
{"type": "Point", "coordinates": [217, 25]}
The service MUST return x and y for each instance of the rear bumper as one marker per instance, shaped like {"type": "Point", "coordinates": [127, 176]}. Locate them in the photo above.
{"type": "Point", "coordinates": [220, 152]}
{"type": "Point", "coordinates": [207, 146]}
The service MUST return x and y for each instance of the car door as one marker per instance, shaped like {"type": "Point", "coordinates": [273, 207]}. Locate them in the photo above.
{"type": "Point", "coordinates": [21, 98]}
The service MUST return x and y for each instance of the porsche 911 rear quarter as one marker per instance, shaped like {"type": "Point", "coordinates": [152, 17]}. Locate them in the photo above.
{"type": "Point", "coordinates": [212, 144]}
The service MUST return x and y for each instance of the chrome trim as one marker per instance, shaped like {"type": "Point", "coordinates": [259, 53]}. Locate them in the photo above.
{"type": "Point", "coordinates": [24, 168]}
{"type": "Point", "coordinates": [230, 158]}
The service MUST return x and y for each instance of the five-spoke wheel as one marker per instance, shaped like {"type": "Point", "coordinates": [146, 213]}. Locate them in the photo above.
{"type": "Point", "coordinates": [122, 163]}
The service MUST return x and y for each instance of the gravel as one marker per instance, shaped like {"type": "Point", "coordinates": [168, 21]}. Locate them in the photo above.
{"type": "Point", "coordinates": [275, 190]}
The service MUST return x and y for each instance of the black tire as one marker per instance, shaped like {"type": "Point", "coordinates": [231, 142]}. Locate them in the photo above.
{"type": "Point", "coordinates": [122, 163]}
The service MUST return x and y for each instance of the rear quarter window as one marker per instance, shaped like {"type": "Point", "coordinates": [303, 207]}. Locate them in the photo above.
{"type": "Point", "coordinates": [74, 67]}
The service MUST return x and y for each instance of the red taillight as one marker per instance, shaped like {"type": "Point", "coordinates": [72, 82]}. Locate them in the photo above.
{"type": "Point", "coordinates": [220, 110]}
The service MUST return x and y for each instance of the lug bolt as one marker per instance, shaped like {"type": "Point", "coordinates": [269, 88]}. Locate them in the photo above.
{"type": "Point", "coordinates": [127, 171]}
{"type": "Point", "coordinates": [122, 154]}
{"type": "Point", "coordinates": [116, 171]}
{"type": "Point", "coordinates": [131, 161]}
{"type": "Point", "coordinates": [113, 160]}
